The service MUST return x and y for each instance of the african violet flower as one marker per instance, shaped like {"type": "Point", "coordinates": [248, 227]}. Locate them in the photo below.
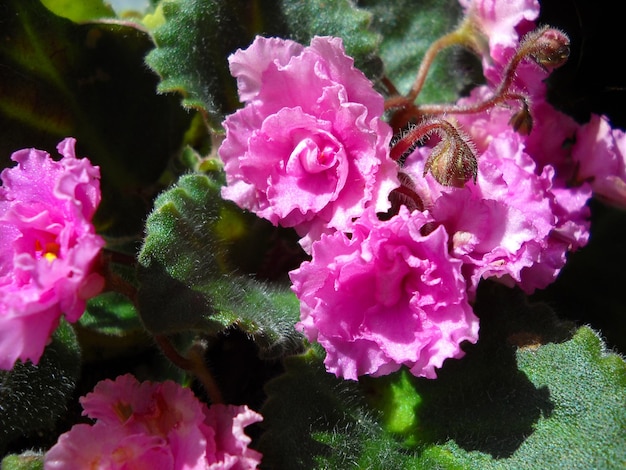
{"type": "Point", "coordinates": [590, 152]}
{"type": "Point", "coordinates": [385, 296]}
{"type": "Point", "coordinates": [599, 157]}
{"type": "Point", "coordinates": [48, 248]}
{"type": "Point", "coordinates": [155, 425]}
{"type": "Point", "coordinates": [309, 149]}
{"type": "Point", "coordinates": [527, 209]}
{"type": "Point", "coordinates": [500, 25]}
{"type": "Point", "coordinates": [512, 224]}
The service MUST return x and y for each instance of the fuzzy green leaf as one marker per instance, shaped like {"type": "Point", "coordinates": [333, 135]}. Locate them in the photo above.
{"type": "Point", "coordinates": [527, 396]}
{"type": "Point", "coordinates": [198, 35]}
{"type": "Point", "coordinates": [408, 28]}
{"type": "Point", "coordinates": [33, 398]}
{"type": "Point", "coordinates": [186, 277]}
{"type": "Point", "coordinates": [339, 18]}
{"type": "Point", "coordinates": [26, 461]}
{"type": "Point", "coordinates": [191, 52]}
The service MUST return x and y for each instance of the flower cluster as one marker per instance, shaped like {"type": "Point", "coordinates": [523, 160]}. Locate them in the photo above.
{"type": "Point", "coordinates": [155, 426]}
{"type": "Point", "coordinates": [499, 194]}
{"type": "Point", "coordinates": [48, 248]}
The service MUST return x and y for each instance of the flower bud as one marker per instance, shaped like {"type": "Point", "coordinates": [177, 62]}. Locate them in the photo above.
{"type": "Point", "coordinates": [452, 162]}
{"type": "Point", "coordinates": [522, 121]}
{"type": "Point", "coordinates": [549, 47]}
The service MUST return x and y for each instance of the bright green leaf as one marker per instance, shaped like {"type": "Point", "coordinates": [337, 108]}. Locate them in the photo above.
{"type": "Point", "coordinates": [85, 10]}
{"type": "Point", "coordinates": [26, 461]}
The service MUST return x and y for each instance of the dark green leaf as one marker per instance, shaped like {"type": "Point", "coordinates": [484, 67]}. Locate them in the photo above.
{"type": "Point", "coordinates": [199, 35]}
{"type": "Point", "coordinates": [338, 18]}
{"type": "Point", "coordinates": [186, 277]}
{"type": "Point", "coordinates": [408, 28]}
{"type": "Point", "coordinates": [191, 55]}
{"type": "Point", "coordinates": [111, 327]}
{"type": "Point", "coordinates": [33, 398]}
{"type": "Point", "coordinates": [60, 79]}
{"type": "Point", "coordinates": [309, 415]}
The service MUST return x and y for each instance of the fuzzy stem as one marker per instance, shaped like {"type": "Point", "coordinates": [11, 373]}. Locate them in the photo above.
{"type": "Point", "coordinates": [417, 133]}
{"type": "Point", "coordinates": [450, 39]}
{"type": "Point", "coordinates": [194, 364]}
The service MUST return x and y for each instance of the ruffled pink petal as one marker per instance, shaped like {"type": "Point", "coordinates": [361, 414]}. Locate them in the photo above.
{"type": "Point", "coordinates": [49, 247]}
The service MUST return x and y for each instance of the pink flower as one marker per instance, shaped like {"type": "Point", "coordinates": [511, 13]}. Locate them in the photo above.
{"type": "Point", "coordinates": [309, 149]}
{"type": "Point", "coordinates": [386, 296]}
{"type": "Point", "coordinates": [513, 225]}
{"type": "Point", "coordinates": [599, 157]}
{"type": "Point", "coordinates": [48, 248]}
{"type": "Point", "coordinates": [496, 28]}
{"type": "Point", "coordinates": [104, 447]}
{"type": "Point", "coordinates": [502, 23]}
{"type": "Point", "coordinates": [228, 447]}
{"type": "Point", "coordinates": [155, 425]}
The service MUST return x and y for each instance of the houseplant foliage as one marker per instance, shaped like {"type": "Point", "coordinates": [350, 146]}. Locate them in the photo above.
{"type": "Point", "coordinates": [285, 234]}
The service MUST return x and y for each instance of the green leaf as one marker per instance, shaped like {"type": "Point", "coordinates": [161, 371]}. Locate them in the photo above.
{"type": "Point", "coordinates": [587, 385]}
{"type": "Point", "coordinates": [193, 45]}
{"type": "Point", "coordinates": [111, 313]}
{"type": "Point", "coordinates": [60, 79]}
{"type": "Point", "coordinates": [408, 28]}
{"type": "Point", "coordinates": [84, 10]}
{"type": "Point", "coordinates": [187, 279]}
{"type": "Point", "coordinates": [191, 52]}
{"type": "Point", "coordinates": [304, 406]}
{"type": "Point", "coordinates": [339, 18]}
{"type": "Point", "coordinates": [33, 398]}
{"type": "Point", "coordinates": [528, 395]}
{"type": "Point", "coordinates": [26, 461]}
{"type": "Point", "coordinates": [111, 327]}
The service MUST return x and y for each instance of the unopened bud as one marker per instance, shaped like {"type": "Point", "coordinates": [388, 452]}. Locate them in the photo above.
{"type": "Point", "coordinates": [452, 162]}
{"type": "Point", "coordinates": [522, 121]}
{"type": "Point", "coordinates": [549, 47]}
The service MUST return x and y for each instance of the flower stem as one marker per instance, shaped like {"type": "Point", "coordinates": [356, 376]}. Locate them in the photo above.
{"type": "Point", "coordinates": [455, 37]}
{"type": "Point", "coordinates": [194, 364]}
{"type": "Point", "coordinates": [450, 39]}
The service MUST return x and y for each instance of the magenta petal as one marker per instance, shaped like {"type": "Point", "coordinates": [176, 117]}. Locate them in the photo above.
{"type": "Point", "coordinates": [50, 249]}
{"type": "Point", "coordinates": [385, 297]}
{"type": "Point", "coordinates": [309, 150]}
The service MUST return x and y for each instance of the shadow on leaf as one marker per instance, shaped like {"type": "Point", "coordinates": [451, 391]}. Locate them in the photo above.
{"type": "Point", "coordinates": [483, 402]}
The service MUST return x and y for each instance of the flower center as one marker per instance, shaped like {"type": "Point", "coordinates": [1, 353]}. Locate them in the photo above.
{"type": "Point", "coordinates": [47, 250]}
{"type": "Point", "coordinates": [314, 158]}
{"type": "Point", "coordinates": [123, 411]}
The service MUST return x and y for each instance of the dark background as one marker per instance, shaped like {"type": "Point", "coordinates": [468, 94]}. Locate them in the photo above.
{"type": "Point", "coordinates": [593, 80]}
{"type": "Point", "coordinates": [591, 288]}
